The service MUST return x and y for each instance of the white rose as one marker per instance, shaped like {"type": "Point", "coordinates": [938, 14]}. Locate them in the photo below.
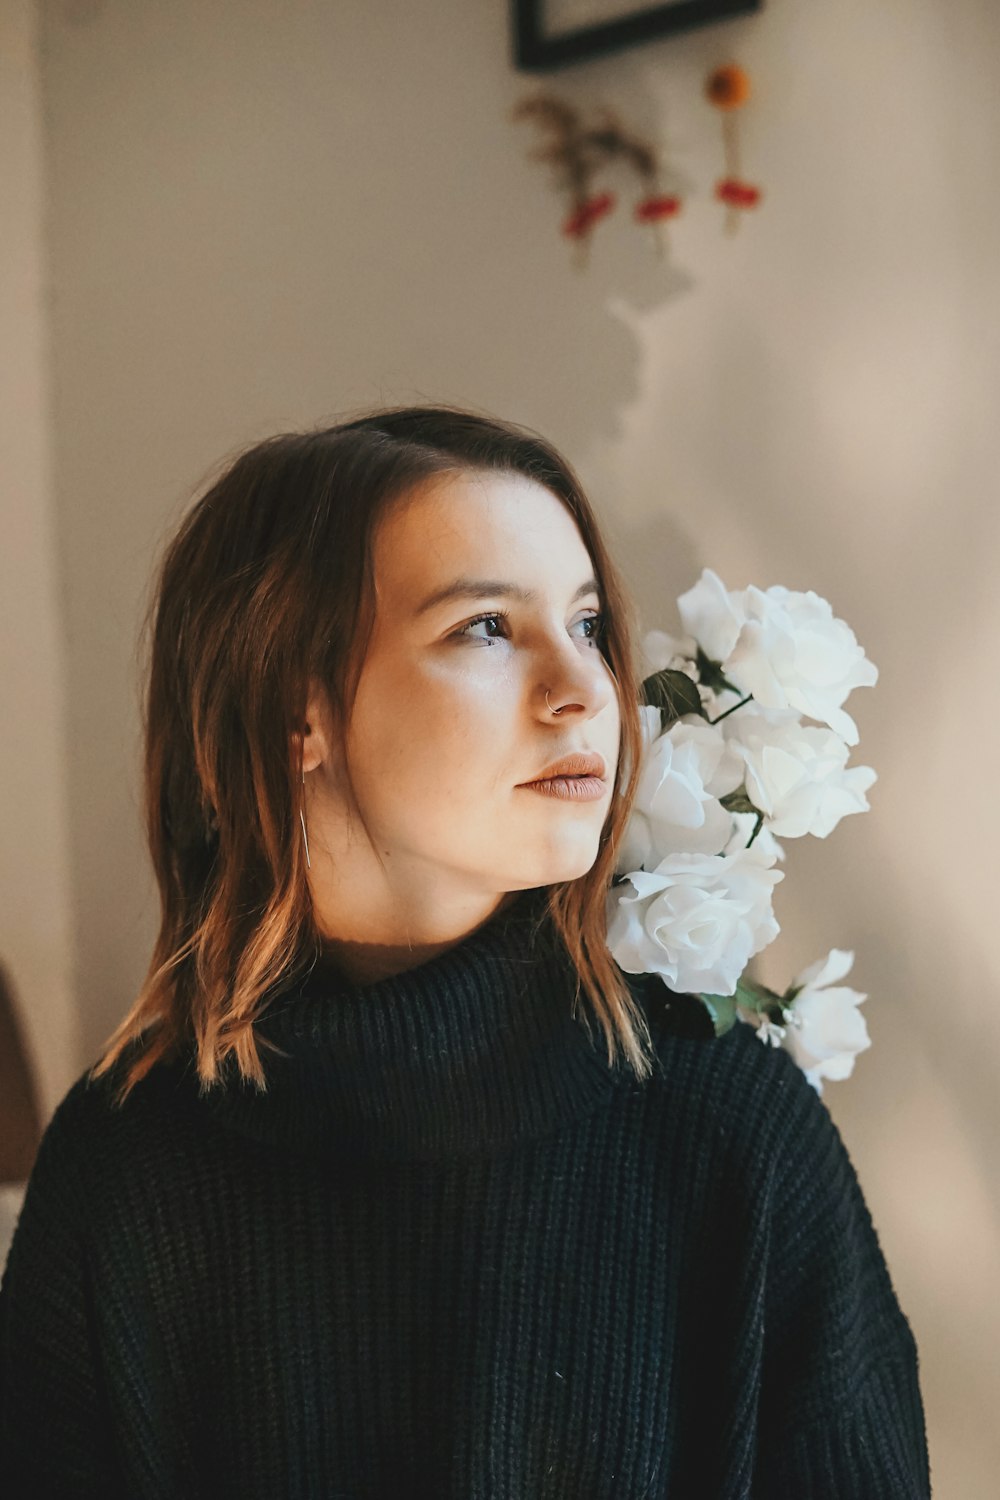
{"type": "Point", "coordinates": [651, 722]}
{"type": "Point", "coordinates": [685, 771]}
{"type": "Point", "coordinates": [667, 652]}
{"type": "Point", "coordinates": [635, 852]}
{"type": "Point", "coordinates": [792, 652]}
{"type": "Point", "coordinates": [651, 726]}
{"type": "Point", "coordinates": [785, 648]}
{"type": "Point", "coordinates": [712, 615]}
{"type": "Point", "coordinates": [830, 1030]}
{"type": "Point", "coordinates": [663, 652]}
{"type": "Point", "coordinates": [696, 919]}
{"type": "Point", "coordinates": [743, 827]}
{"type": "Point", "coordinates": [635, 849]}
{"type": "Point", "coordinates": [795, 773]}
{"type": "Point", "coordinates": [718, 702]}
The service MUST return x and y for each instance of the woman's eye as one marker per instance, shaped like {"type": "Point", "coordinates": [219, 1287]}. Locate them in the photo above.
{"type": "Point", "coordinates": [466, 630]}
{"type": "Point", "coordinates": [595, 621]}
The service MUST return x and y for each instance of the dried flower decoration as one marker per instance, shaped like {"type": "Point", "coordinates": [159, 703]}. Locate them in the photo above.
{"type": "Point", "coordinates": [728, 88]}
{"type": "Point", "coordinates": [579, 152]}
{"type": "Point", "coordinates": [587, 213]}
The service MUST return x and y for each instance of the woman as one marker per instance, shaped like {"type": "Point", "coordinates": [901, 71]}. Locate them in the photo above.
{"type": "Point", "coordinates": [391, 1183]}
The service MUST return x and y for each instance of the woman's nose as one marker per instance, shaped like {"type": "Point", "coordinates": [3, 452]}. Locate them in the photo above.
{"type": "Point", "coordinates": [590, 688]}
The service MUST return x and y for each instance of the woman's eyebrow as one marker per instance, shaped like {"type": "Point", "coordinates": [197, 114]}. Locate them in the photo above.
{"type": "Point", "coordinates": [477, 588]}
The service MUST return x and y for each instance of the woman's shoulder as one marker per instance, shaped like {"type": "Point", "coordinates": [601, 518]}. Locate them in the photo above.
{"type": "Point", "coordinates": [736, 1080]}
{"type": "Point", "coordinates": [99, 1155]}
{"type": "Point", "coordinates": [94, 1097]}
{"type": "Point", "coordinates": [748, 1108]}
{"type": "Point", "coordinates": [92, 1130]}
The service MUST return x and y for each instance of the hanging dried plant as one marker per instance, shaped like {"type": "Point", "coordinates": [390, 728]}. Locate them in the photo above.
{"type": "Point", "coordinates": [728, 88]}
{"type": "Point", "coordinates": [578, 152]}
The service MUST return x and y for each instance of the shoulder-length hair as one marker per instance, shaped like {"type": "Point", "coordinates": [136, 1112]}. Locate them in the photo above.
{"type": "Point", "coordinates": [267, 583]}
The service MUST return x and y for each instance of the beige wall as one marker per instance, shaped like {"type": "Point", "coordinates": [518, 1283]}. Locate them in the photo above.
{"type": "Point", "coordinates": [262, 214]}
{"type": "Point", "coordinates": [36, 898]}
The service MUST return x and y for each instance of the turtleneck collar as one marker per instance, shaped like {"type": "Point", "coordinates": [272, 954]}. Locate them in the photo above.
{"type": "Point", "coordinates": [470, 1052]}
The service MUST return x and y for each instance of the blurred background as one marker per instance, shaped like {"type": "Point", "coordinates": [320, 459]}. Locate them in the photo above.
{"type": "Point", "coordinates": [224, 220]}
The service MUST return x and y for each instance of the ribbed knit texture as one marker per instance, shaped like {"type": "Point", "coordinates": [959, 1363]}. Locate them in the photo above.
{"type": "Point", "coordinates": [452, 1254]}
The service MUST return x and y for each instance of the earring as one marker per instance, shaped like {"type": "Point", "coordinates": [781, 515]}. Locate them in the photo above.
{"type": "Point", "coordinates": [302, 820]}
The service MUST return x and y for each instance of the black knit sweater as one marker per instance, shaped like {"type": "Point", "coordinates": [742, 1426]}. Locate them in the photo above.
{"type": "Point", "coordinates": [452, 1254]}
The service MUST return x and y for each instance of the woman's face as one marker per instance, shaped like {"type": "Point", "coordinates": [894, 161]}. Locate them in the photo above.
{"type": "Point", "coordinates": [451, 715]}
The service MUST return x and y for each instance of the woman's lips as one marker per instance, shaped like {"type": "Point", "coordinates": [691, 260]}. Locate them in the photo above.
{"type": "Point", "coordinates": [570, 788]}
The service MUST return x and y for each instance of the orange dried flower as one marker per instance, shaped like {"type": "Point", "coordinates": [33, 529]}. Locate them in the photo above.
{"type": "Point", "coordinates": [728, 87]}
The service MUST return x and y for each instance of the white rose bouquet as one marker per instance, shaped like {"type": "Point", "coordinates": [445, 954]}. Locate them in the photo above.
{"type": "Point", "coordinates": [728, 769]}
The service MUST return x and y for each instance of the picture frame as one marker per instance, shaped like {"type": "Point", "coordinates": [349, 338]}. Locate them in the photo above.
{"type": "Point", "coordinates": [550, 34]}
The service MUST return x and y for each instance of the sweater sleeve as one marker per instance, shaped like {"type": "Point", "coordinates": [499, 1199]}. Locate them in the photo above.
{"type": "Point", "coordinates": [54, 1428]}
{"type": "Point", "coordinates": [840, 1410]}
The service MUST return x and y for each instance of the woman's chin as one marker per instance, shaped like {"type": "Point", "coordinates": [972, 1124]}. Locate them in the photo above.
{"type": "Point", "coordinates": [564, 864]}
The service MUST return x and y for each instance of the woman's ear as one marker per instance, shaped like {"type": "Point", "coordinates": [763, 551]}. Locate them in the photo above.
{"type": "Point", "coordinates": [312, 742]}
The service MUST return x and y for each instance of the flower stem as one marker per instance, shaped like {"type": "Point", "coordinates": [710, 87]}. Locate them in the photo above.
{"type": "Point", "coordinates": [732, 710]}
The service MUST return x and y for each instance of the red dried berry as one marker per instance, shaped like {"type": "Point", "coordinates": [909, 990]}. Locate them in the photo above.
{"type": "Point", "coordinates": [588, 211]}
{"type": "Point", "coordinates": [657, 208]}
{"type": "Point", "coordinates": [739, 194]}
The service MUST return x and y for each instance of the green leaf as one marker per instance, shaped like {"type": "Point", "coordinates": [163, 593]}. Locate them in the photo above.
{"type": "Point", "coordinates": [722, 1009]}
{"type": "Point", "coordinates": [749, 995]}
{"type": "Point", "coordinates": [753, 995]}
{"type": "Point", "coordinates": [674, 694]}
{"type": "Point", "coordinates": [739, 802]}
{"type": "Point", "coordinates": [711, 674]}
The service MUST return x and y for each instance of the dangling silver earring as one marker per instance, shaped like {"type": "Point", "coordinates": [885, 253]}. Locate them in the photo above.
{"type": "Point", "coordinates": [302, 819]}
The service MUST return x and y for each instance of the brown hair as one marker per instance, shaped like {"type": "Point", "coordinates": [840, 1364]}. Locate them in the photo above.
{"type": "Point", "coordinates": [267, 583]}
